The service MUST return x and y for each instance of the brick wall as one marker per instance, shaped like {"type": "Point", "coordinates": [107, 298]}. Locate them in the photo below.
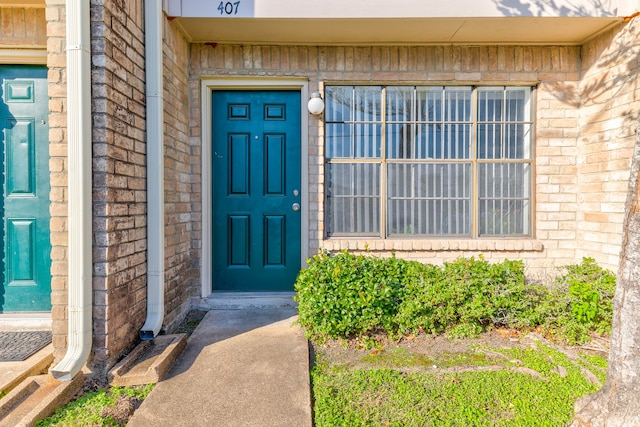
{"type": "Point", "coordinates": [23, 27]}
{"type": "Point", "coordinates": [182, 192]}
{"type": "Point", "coordinates": [585, 116]}
{"type": "Point", "coordinates": [58, 167]}
{"type": "Point", "coordinates": [119, 178]}
{"type": "Point", "coordinates": [556, 68]}
{"type": "Point", "coordinates": [609, 113]}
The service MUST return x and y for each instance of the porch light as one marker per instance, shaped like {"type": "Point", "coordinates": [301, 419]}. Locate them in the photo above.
{"type": "Point", "coordinates": [316, 104]}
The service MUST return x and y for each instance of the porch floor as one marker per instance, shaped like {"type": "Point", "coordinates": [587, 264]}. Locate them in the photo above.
{"type": "Point", "coordinates": [12, 373]}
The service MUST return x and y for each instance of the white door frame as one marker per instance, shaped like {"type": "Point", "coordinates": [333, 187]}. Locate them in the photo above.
{"type": "Point", "coordinates": [11, 56]}
{"type": "Point", "coordinates": [208, 85]}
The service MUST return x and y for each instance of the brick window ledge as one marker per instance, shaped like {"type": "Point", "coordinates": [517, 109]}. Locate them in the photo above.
{"type": "Point", "coordinates": [363, 244]}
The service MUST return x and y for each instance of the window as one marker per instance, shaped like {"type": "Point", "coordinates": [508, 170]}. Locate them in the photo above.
{"type": "Point", "coordinates": [436, 161]}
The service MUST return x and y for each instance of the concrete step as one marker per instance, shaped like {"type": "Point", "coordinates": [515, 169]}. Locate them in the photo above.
{"type": "Point", "coordinates": [13, 373]}
{"type": "Point", "coordinates": [25, 321]}
{"type": "Point", "coordinates": [247, 301]}
{"type": "Point", "coordinates": [36, 398]}
{"type": "Point", "coordinates": [149, 361]}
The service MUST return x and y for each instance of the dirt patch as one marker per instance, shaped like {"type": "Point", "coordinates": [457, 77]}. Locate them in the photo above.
{"type": "Point", "coordinates": [349, 351]}
{"type": "Point", "coordinates": [428, 352]}
{"type": "Point", "coordinates": [123, 409]}
{"type": "Point", "coordinates": [190, 322]}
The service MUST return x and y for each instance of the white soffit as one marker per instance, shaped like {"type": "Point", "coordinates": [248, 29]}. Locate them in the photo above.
{"type": "Point", "coordinates": [395, 30]}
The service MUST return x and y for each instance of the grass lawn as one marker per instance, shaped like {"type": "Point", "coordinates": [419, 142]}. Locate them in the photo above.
{"type": "Point", "coordinates": [517, 386]}
{"type": "Point", "coordinates": [106, 407]}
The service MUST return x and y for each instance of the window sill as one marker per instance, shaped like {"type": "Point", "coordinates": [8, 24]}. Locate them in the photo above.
{"type": "Point", "coordinates": [372, 244]}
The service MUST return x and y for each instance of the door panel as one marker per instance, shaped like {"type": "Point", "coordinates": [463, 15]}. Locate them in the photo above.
{"type": "Point", "coordinates": [256, 168]}
{"type": "Point", "coordinates": [26, 247]}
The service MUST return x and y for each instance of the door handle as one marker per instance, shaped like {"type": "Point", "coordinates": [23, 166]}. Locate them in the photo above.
{"type": "Point", "coordinates": [295, 207]}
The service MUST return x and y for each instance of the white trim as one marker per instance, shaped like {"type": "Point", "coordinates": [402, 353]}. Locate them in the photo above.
{"type": "Point", "coordinates": [209, 84]}
{"type": "Point", "coordinates": [20, 56]}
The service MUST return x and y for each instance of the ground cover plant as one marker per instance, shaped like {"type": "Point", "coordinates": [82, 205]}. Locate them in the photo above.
{"type": "Point", "coordinates": [346, 296]}
{"type": "Point", "coordinates": [105, 407]}
{"type": "Point", "coordinates": [517, 386]}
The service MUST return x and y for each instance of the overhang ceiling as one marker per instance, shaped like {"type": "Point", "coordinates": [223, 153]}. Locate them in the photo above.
{"type": "Point", "coordinates": [404, 31]}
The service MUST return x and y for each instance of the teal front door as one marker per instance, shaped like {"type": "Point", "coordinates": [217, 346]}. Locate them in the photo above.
{"type": "Point", "coordinates": [24, 141]}
{"type": "Point", "coordinates": [256, 190]}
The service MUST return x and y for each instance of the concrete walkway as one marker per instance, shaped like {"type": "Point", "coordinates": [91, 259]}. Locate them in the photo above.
{"type": "Point", "coordinates": [240, 368]}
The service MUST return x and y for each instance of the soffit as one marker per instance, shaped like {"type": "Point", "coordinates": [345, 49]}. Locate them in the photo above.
{"type": "Point", "coordinates": [380, 31]}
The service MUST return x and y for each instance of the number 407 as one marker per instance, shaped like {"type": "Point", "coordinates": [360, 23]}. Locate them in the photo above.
{"type": "Point", "coordinates": [228, 8]}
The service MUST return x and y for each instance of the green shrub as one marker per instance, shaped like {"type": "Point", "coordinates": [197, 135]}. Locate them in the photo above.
{"type": "Point", "coordinates": [467, 295]}
{"type": "Point", "coordinates": [592, 289]}
{"type": "Point", "coordinates": [580, 303]}
{"type": "Point", "coordinates": [346, 295]}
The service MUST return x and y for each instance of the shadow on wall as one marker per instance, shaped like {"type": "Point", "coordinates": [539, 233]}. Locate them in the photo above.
{"type": "Point", "coordinates": [610, 69]}
{"type": "Point", "coordinates": [614, 75]}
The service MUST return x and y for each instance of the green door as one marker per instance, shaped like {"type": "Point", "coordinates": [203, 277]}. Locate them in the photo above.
{"type": "Point", "coordinates": [24, 140]}
{"type": "Point", "coordinates": [256, 190]}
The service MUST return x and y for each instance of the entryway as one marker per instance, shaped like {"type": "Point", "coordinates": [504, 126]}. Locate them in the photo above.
{"type": "Point", "coordinates": [256, 186]}
{"type": "Point", "coordinates": [25, 259]}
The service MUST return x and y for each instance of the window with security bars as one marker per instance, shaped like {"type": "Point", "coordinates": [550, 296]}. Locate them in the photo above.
{"type": "Point", "coordinates": [428, 161]}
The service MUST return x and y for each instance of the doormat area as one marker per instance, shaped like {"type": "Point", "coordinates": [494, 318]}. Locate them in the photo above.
{"type": "Point", "coordinates": [16, 346]}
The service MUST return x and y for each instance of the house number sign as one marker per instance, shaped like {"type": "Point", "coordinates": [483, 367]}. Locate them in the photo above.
{"type": "Point", "coordinates": [215, 8]}
{"type": "Point", "coordinates": [228, 8]}
{"type": "Point", "coordinates": [235, 9]}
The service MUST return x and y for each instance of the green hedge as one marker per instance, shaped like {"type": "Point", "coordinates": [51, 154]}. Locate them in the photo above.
{"type": "Point", "coordinates": [346, 295]}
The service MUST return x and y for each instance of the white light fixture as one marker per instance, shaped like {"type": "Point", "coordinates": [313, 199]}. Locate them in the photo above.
{"type": "Point", "coordinates": [316, 104]}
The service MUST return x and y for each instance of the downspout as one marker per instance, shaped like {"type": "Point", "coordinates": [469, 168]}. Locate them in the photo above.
{"type": "Point", "coordinates": [79, 254]}
{"type": "Point", "coordinates": [155, 170]}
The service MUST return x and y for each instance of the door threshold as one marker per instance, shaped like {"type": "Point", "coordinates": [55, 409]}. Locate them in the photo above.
{"type": "Point", "coordinates": [248, 301]}
{"type": "Point", "coordinates": [34, 321]}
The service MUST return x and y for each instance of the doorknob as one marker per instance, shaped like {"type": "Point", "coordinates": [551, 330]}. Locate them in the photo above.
{"type": "Point", "coordinates": [295, 207]}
